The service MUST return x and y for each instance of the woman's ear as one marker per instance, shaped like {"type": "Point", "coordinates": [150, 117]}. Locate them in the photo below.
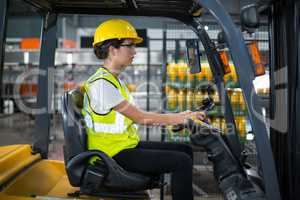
{"type": "Point", "coordinates": [112, 51]}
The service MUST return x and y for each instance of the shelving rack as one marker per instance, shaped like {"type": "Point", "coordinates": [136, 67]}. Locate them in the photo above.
{"type": "Point", "coordinates": [175, 36]}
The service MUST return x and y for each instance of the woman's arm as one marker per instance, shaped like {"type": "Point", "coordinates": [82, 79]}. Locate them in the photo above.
{"type": "Point", "coordinates": [150, 118]}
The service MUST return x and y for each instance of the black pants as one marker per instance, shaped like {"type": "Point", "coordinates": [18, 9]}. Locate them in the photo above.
{"type": "Point", "coordinates": [157, 158]}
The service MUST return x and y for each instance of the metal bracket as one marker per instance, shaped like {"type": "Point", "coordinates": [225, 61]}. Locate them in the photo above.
{"type": "Point", "coordinates": [49, 20]}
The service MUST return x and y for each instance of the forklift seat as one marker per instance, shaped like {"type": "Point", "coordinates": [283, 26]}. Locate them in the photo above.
{"type": "Point", "coordinates": [105, 177]}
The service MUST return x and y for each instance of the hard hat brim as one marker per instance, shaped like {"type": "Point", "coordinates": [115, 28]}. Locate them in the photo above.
{"type": "Point", "coordinates": [136, 40]}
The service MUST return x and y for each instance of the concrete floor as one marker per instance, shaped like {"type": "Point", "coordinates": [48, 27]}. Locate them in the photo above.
{"type": "Point", "coordinates": [19, 129]}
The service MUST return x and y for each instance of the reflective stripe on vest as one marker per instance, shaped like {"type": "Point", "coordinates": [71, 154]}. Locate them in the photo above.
{"type": "Point", "coordinates": [118, 127]}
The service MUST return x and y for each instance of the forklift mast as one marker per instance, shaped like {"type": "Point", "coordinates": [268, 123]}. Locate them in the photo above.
{"type": "Point", "coordinates": [285, 91]}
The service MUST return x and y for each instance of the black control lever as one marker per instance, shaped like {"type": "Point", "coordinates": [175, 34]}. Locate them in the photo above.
{"type": "Point", "coordinates": [207, 105]}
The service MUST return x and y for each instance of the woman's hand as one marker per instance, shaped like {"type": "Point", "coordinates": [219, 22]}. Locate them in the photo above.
{"type": "Point", "coordinates": [197, 115]}
{"type": "Point", "coordinates": [182, 117]}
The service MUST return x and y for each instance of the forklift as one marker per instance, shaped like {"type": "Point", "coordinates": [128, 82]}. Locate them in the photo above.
{"type": "Point", "coordinates": [26, 173]}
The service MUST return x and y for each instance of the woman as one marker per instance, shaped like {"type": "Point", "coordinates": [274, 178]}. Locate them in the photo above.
{"type": "Point", "coordinates": [111, 116]}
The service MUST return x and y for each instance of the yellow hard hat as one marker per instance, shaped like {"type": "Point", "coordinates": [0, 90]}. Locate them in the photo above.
{"type": "Point", "coordinates": [115, 29]}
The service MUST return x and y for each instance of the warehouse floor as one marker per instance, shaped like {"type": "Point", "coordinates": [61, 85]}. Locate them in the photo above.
{"type": "Point", "coordinates": [19, 129]}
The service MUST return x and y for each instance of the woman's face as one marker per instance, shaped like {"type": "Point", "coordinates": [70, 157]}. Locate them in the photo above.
{"type": "Point", "coordinates": [124, 55]}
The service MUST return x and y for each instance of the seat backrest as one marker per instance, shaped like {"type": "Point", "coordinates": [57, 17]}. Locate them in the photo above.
{"type": "Point", "coordinates": [106, 171]}
{"type": "Point", "coordinates": [73, 124]}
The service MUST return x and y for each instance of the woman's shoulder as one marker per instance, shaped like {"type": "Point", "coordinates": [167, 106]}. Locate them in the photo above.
{"type": "Point", "coordinates": [103, 84]}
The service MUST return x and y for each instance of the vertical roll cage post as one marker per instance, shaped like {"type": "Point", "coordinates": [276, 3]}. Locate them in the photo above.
{"type": "Point", "coordinates": [3, 25]}
{"type": "Point", "coordinates": [45, 81]}
{"type": "Point", "coordinates": [244, 70]}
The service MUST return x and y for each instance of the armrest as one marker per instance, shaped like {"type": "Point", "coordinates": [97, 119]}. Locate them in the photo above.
{"type": "Point", "coordinates": [77, 165]}
{"type": "Point", "coordinates": [117, 178]}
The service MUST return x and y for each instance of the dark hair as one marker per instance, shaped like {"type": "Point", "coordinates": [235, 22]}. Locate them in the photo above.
{"type": "Point", "coordinates": [101, 49]}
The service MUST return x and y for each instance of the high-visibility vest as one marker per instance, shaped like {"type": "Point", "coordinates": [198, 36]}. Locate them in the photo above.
{"type": "Point", "coordinates": [111, 132]}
